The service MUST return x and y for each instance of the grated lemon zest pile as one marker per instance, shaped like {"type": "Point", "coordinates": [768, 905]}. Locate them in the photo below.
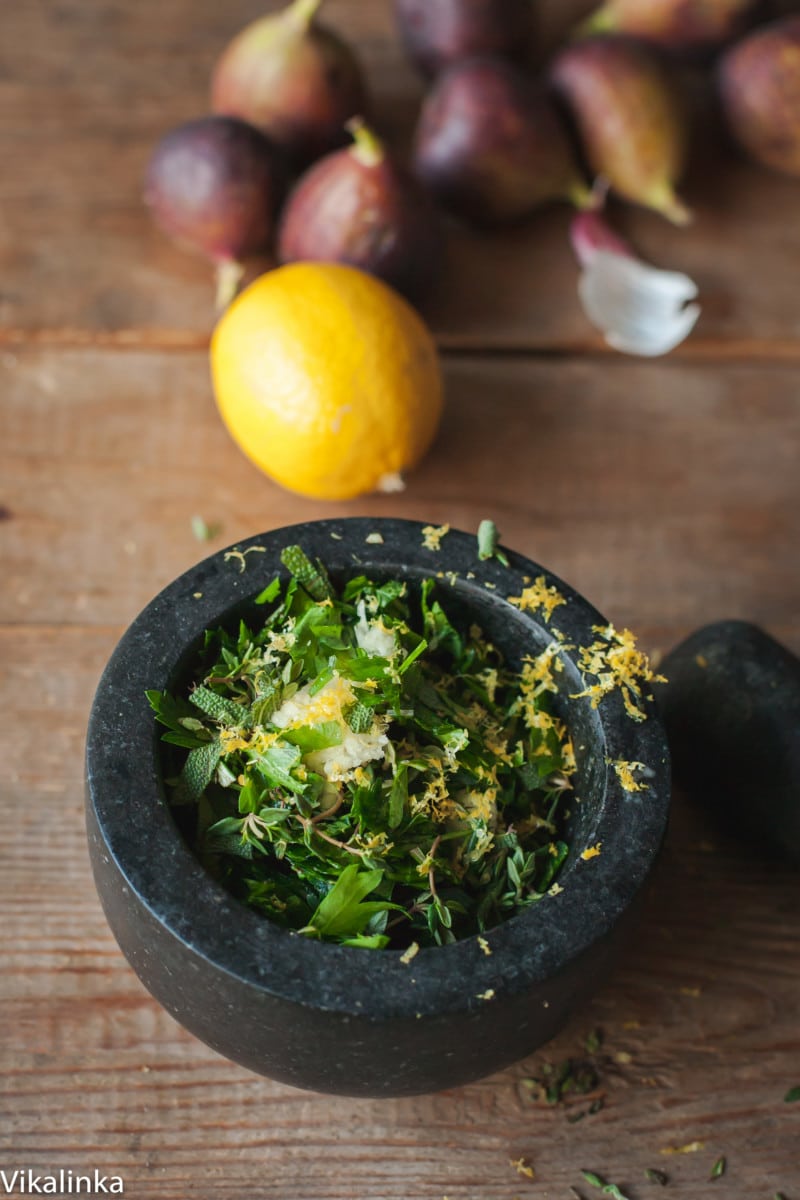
{"type": "Point", "coordinates": [616, 663]}
{"type": "Point", "coordinates": [432, 536]}
{"type": "Point", "coordinates": [538, 596]}
{"type": "Point", "coordinates": [336, 763]}
{"type": "Point", "coordinates": [625, 775]}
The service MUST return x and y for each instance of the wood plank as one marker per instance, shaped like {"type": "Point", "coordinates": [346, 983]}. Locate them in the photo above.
{"type": "Point", "coordinates": [79, 257]}
{"type": "Point", "coordinates": [700, 1022]}
{"type": "Point", "coordinates": [667, 494]}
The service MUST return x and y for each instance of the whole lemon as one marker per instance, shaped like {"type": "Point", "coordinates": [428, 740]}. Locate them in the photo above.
{"type": "Point", "coordinates": [327, 379]}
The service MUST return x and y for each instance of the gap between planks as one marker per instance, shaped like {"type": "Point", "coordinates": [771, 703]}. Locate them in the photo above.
{"type": "Point", "coordinates": [698, 351]}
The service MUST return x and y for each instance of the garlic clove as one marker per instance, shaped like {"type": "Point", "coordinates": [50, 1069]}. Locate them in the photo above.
{"type": "Point", "coordinates": [640, 309]}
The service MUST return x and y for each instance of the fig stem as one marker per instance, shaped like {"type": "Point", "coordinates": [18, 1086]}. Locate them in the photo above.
{"type": "Point", "coordinates": [671, 207]}
{"type": "Point", "coordinates": [302, 12]}
{"type": "Point", "coordinates": [229, 276]}
{"type": "Point", "coordinates": [367, 146]}
{"type": "Point", "coordinates": [584, 198]}
{"type": "Point", "coordinates": [600, 21]}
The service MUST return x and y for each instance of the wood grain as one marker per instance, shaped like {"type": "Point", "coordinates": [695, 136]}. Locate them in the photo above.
{"type": "Point", "coordinates": [667, 495]}
{"type": "Point", "coordinates": [80, 258]}
{"type": "Point", "coordinates": [667, 492]}
{"type": "Point", "coordinates": [700, 1022]}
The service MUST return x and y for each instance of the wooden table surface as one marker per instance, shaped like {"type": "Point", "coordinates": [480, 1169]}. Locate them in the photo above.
{"type": "Point", "coordinates": [666, 491]}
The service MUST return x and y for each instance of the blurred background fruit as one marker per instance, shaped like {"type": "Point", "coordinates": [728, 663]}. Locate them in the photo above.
{"type": "Point", "coordinates": [491, 147]}
{"type": "Point", "coordinates": [327, 379]}
{"type": "Point", "coordinates": [628, 118]}
{"type": "Point", "coordinates": [215, 185]}
{"type": "Point", "coordinates": [293, 78]}
{"type": "Point", "coordinates": [760, 93]}
{"type": "Point", "coordinates": [359, 206]}
{"type": "Point", "coordinates": [674, 23]}
{"type": "Point", "coordinates": [436, 33]}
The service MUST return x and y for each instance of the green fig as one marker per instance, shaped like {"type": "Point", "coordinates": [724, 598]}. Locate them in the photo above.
{"type": "Point", "coordinates": [678, 24]}
{"type": "Point", "coordinates": [292, 78]}
{"type": "Point", "coordinates": [628, 120]}
{"type": "Point", "coordinates": [759, 82]}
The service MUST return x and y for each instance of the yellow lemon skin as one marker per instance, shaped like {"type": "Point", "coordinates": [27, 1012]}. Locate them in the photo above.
{"type": "Point", "coordinates": [327, 379]}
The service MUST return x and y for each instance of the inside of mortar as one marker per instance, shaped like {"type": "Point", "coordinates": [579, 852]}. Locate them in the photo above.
{"type": "Point", "coordinates": [513, 633]}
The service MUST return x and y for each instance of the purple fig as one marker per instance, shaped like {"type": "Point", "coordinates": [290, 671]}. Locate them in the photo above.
{"type": "Point", "coordinates": [292, 78]}
{"type": "Point", "coordinates": [490, 145]}
{"type": "Point", "coordinates": [439, 32]}
{"type": "Point", "coordinates": [628, 119]}
{"type": "Point", "coordinates": [358, 206]}
{"type": "Point", "coordinates": [678, 24]}
{"type": "Point", "coordinates": [760, 90]}
{"type": "Point", "coordinates": [215, 184]}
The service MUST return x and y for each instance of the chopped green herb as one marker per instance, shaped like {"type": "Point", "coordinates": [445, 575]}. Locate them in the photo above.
{"type": "Point", "coordinates": [557, 1081]}
{"type": "Point", "coordinates": [656, 1176]}
{"type": "Point", "coordinates": [488, 539]}
{"type": "Point", "coordinates": [362, 768]}
{"type": "Point", "coordinates": [718, 1168]}
{"type": "Point", "coordinates": [608, 1189]}
{"type": "Point", "coordinates": [792, 1096]}
{"type": "Point", "coordinates": [594, 1041]}
{"type": "Point", "coordinates": [203, 531]}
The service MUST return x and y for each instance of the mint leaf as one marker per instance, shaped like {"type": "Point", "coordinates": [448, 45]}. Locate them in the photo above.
{"type": "Point", "coordinates": [342, 913]}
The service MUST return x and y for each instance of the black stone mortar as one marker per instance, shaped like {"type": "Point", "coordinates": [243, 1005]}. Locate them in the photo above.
{"type": "Point", "coordinates": [336, 1018]}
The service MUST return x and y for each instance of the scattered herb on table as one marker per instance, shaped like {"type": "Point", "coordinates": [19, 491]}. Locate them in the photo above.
{"type": "Point", "coordinates": [718, 1168]}
{"type": "Point", "coordinates": [203, 531]}
{"type": "Point", "coordinates": [594, 1041]}
{"type": "Point", "coordinates": [561, 1083]}
{"type": "Point", "coordinates": [792, 1096]}
{"type": "Point", "coordinates": [556, 1081]}
{"type": "Point", "coordinates": [608, 1189]}
{"type": "Point", "coordinates": [655, 1176]}
{"type": "Point", "coordinates": [361, 769]}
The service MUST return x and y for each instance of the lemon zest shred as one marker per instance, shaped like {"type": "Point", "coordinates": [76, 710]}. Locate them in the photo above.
{"type": "Point", "coordinates": [522, 1167]}
{"type": "Point", "coordinates": [538, 596]}
{"type": "Point", "coordinates": [624, 771]}
{"type": "Point", "coordinates": [432, 536]}
{"type": "Point", "coordinates": [237, 555]}
{"type": "Point", "coordinates": [411, 952]}
{"type": "Point", "coordinates": [591, 852]}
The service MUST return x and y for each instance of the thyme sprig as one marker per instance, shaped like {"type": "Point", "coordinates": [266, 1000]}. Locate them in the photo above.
{"type": "Point", "coordinates": [363, 769]}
